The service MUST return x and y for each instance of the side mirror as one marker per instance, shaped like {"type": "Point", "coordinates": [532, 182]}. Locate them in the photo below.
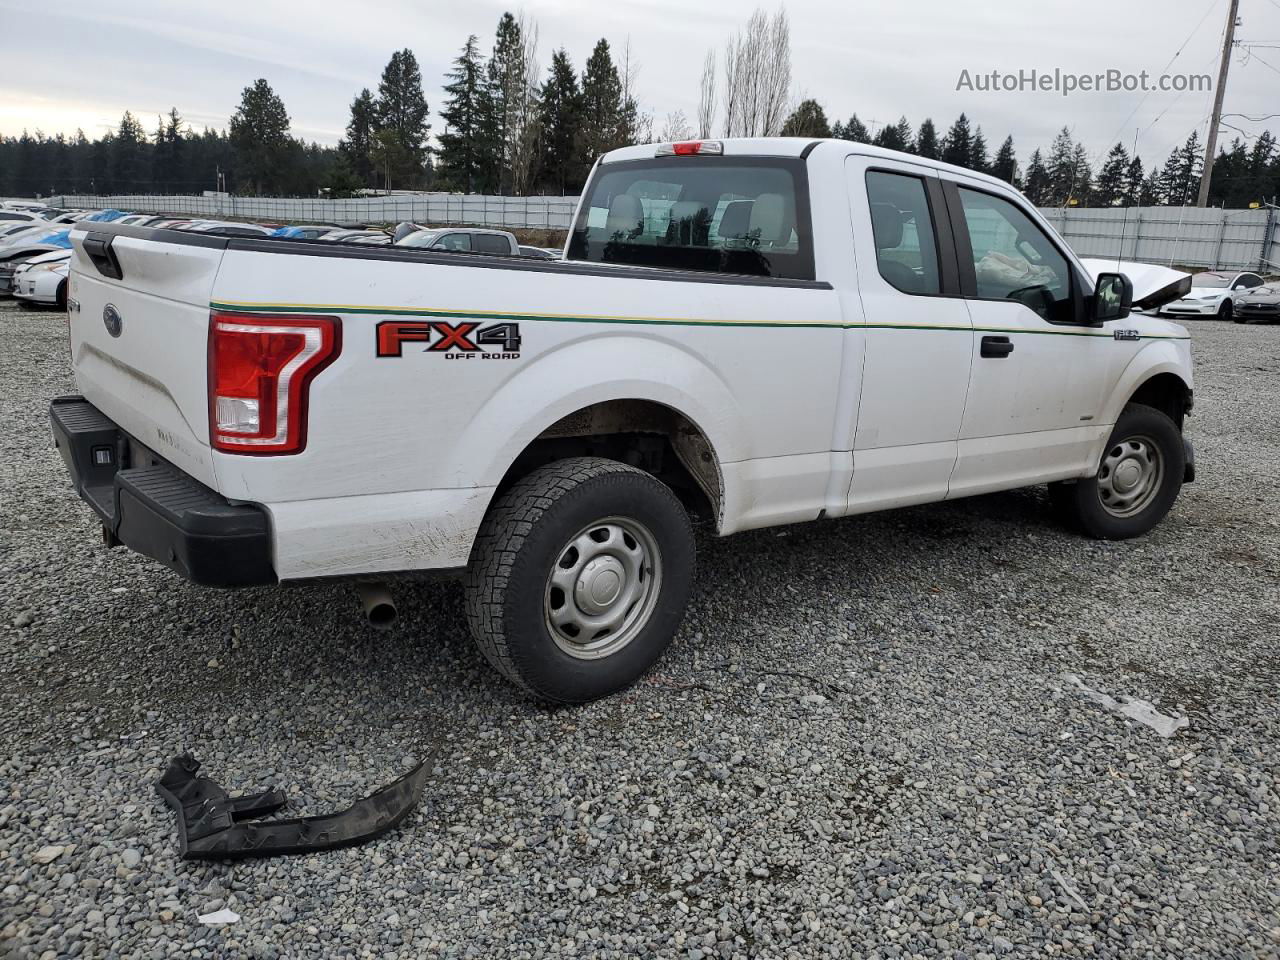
{"type": "Point", "coordinates": [1112, 297]}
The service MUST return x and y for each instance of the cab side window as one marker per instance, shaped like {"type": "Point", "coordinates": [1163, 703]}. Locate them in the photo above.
{"type": "Point", "coordinates": [1014, 259]}
{"type": "Point", "coordinates": [903, 228]}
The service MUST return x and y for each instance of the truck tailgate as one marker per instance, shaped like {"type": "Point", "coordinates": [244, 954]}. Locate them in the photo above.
{"type": "Point", "coordinates": [139, 341]}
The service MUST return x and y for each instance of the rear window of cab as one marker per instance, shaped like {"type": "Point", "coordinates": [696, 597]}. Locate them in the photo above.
{"type": "Point", "coordinates": [733, 215]}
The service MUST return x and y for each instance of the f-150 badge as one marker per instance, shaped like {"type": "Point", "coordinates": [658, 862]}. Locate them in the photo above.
{"type": "Point", "coordinates": [456, 341]}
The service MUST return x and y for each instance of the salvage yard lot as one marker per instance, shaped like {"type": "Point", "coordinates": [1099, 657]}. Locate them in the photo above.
{"type": "Point", "coordinates": [862, 742]}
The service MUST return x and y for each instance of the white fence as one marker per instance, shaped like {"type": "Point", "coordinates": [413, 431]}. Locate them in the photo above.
{"type": "Point", "coordinates": [552, 213]}
{"type": "Point", "coordinates": [1181, 236]}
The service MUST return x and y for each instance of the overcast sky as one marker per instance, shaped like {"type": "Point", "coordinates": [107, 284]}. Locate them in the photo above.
{"type": "Point", "coordinates": [79, 64]}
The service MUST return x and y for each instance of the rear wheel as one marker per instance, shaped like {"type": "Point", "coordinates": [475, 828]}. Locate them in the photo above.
{"type": "Point", "coordinates": [579, 577]}
{"type": "Point", "coordinates": [1138, 478]}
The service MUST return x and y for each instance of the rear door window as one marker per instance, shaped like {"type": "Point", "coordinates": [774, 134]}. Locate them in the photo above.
{"type": "Point", "coordinates": [490, 243]}
{"type": "Point", "coordinates": [740, 215]}
{"type": "Point", "coordinates": [903, 228]}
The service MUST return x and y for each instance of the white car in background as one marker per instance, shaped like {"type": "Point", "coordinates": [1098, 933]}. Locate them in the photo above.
{"type": "Point", "coordinates": [1213, 294]}
{"type": "Point", "coordinates": [43, 279]}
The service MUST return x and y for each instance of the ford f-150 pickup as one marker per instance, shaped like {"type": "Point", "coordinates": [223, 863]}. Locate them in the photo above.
{"type": "Point", "coordinates": [755, 332]}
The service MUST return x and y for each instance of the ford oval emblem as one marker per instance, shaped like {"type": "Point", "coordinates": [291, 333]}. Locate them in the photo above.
{"type": "Point", "coordinates": [112, 320]}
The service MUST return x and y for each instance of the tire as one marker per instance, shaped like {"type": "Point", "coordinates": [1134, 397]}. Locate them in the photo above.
{"type": "Point", "coordinates": [619, 543]}
{"type": "Point", "coordinates": [1228, 311]}
{"type": "Point", "coordinates": [1145, 445]}
{"type": "Point", "coordinates": [60, 298]}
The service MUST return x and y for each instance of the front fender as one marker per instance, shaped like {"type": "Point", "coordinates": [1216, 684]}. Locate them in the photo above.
{"type": "Point", "coordinates": [1154, 358]}
{"type": "Point", "coordinates": [595, 369]}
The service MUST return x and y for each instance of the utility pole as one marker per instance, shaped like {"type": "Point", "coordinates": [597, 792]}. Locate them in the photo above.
{"type": "Point", "coordinates": [1211, 141]}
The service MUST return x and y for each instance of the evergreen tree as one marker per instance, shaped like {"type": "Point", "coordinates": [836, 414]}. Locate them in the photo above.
{"type": "Point", "coordinates": [402, 111]}
{"type": "Point", "coordinates": [1062, 170]}
{"type": "Point", "coordinates": [601, 105]}
{"type": "Point", "coordinates": [1038, 183]}
{"type": "Point", "coordinates": [463, 157]}
{"type": "Point", "coordinates": [855, 131]}
{"type": "Point", "coordinates": [895, 136]}
{"type": "Point", "coordinates": [358, 144]}
{"type": "Point", "coordinates": [1180, 183]}
{"type": "Point", "coordinates": [128, 167]}
{"type": "Point", "coordinates": [1133, 179]}
{"type": "Point", "coordinates": [168, 160]}
{"type": "Point", "coordinates": [1113, 178]}
{"type": "Point", "coordinates": [957, 147]}
{"type": "Point", "coordinates": [1005, 165]}
{"type": "Point", "coordinates": [1081, 176]}
{"type": "Point", "coordinates": [561, 121]}
{"type": "Point", "coordinates": [260, 135]}
{"type": "Point", "coordinates": [978, 159]}
{"type": "Point", "coordinates": [807, 120]}
{"type": "Point", "coordinates": [1263, 171]}
{"type": "Point", "coordinates": [503, 98]}
{"type": "Point", "coordinates": [1152, 193]}
{"type": "Point", "coordinates": [927, 141]}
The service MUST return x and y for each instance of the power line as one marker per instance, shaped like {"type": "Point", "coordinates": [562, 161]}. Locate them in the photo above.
{"type": "Point", "coordinates": [1191, 36]}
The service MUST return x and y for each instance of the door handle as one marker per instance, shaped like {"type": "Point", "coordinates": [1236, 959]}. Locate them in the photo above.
{"type": "Point", "coordinates": [996, 347]}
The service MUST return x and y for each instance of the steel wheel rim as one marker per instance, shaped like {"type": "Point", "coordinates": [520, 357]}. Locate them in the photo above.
{"type": "Point", "coordinates": [1130, 476]}
{"type": "Point", "coordinates": [603, 587]}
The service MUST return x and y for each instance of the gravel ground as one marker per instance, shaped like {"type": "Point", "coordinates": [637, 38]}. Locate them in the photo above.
{"type": "Point", "coordinates": [861, 744]}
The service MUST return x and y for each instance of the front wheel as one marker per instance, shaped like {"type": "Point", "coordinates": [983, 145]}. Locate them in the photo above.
{"type": "Point", "coordinates": [1228, 312]}
{"type": "Point", "coordinates": [579, 578]}
{"type": "Point", "coordinates": [1138, 478]}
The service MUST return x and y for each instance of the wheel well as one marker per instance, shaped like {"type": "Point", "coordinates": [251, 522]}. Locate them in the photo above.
{"type": "Point", "coordinates": [1167, 393]}
{"type": "Point", "coordinates": [644, 434]}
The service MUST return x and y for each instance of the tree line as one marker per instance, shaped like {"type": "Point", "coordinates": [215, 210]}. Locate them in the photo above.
{"type": "Point", "coordinates": [506, 129]}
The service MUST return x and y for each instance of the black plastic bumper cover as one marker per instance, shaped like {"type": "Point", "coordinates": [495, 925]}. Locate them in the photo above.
{"type": "Point", "coordinates": [212, 825]}
{"type": "Point", "coordinates": [157, 510]}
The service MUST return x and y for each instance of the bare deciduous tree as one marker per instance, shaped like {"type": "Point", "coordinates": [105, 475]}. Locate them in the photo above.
{"type": "Point", "coordinates": [707, 98]}
{"type": "Point", "coordinates": [522, 126]}
{"type": "Point", "coordinates": [676, 127]}
{"type": "Point", "coordinates": [757, 76]}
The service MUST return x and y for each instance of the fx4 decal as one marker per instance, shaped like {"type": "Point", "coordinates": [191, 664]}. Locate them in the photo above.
{"type": "Point", "coordinates": [497, 341]}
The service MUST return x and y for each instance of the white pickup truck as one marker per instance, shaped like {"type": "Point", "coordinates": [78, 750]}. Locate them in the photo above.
{"type": "Point", "coordinates": [756, 332]}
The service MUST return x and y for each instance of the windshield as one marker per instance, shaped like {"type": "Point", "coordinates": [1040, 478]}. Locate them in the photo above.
{"type": "Point", "coordinates": [423, 238]}
{"type": "Point", "coordinates": [1210, 281]}
{"type": "Point", "coordinates": [743, 215]}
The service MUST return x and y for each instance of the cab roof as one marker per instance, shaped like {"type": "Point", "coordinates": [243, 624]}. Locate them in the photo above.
{"type": "Point", "coordinates": [801, 147]}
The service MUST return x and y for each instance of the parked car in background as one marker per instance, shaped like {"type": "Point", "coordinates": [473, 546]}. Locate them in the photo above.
{"type": "Point", "coordinates": [31, 206]}
{"type": "Point", "coordinates": [464, 240]}
{"type": "Point", "coordinates": [347, 236]}
{"type": "Point", "coordinates": [539, 253]}
{"type": "Point", "coordinates": [43, 279]}
{"type": "Point", "coordinates": [305, 231]}
{"type": "Point", "coordinates": [21, 216]}
{"type": "Point", "coordinates": [1259, 304]}
{"type": "Point", "coordinates": [26, 246]}
{"type": "Point", "coordinates": [232, 229]}
{"type": "Point", "coordinates": [1213, 294]}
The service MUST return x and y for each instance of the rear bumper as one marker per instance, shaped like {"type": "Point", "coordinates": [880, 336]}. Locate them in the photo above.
{"type": "Point", "coordinates": [156, 509]}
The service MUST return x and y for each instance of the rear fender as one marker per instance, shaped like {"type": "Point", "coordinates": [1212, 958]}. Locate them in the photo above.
{"type": "Point", "coordinates": [593, 370]}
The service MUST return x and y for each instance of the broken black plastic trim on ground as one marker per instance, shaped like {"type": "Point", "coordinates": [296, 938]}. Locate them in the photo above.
{"type": "Point", "coordinates": [213, 825]}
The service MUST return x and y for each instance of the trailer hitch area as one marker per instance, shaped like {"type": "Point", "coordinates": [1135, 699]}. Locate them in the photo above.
{"type": "Point", "coordinates": [213, 825]}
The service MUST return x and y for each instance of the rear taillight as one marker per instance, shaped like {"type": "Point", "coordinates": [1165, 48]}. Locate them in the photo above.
{"type": "Point", "coordinates": [260, 371]}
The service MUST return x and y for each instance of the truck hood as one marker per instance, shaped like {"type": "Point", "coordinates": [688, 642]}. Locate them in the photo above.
{"type": "Point", "coordinates": [1153, 286]}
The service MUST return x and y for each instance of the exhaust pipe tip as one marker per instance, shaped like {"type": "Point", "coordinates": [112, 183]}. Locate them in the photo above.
{"type": "Point", "coordinates": [377, 604]}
